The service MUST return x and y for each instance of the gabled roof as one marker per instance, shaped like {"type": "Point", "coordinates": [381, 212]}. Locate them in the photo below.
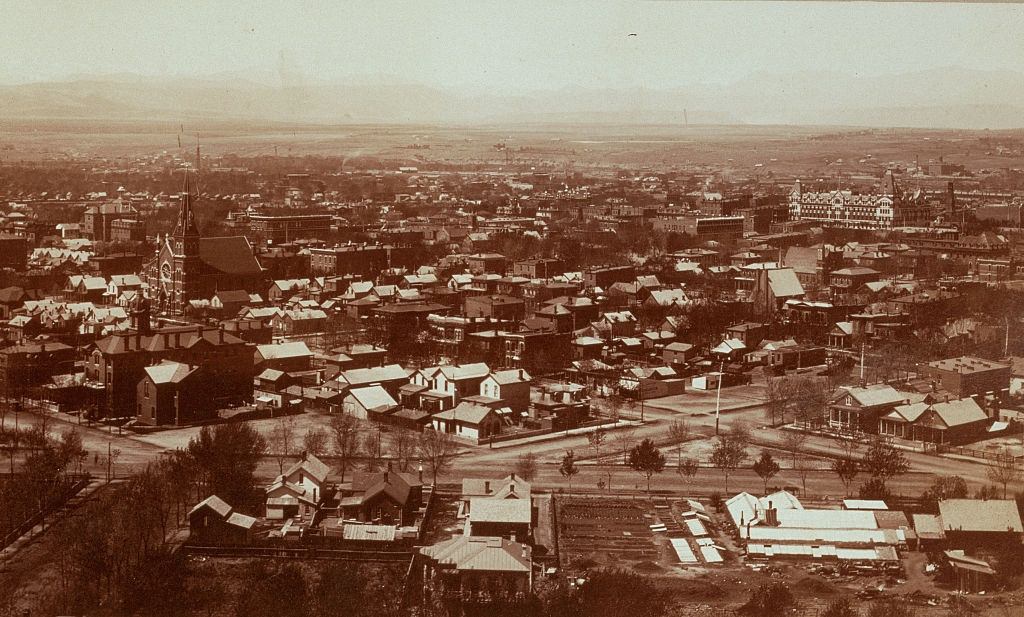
{"type": "Point", "coordinates": [877, 394]}
{"type": "Point", "coordinates": [312, 466]}
{"type": "Point", "coordinates": [464, 553]}
{"type": "Point", "coordinates": [456, 372]}
{"type": "Point", "coordinates": [985, 515]}
{"type": "Point", "coordinates": [373, 398]}
{"type": "Point", "coordinates": [466, 412]}
{"type": "Point", "coordinates": [784, 283]}
{"type": "Point", "coordinates": [278, 351]}
{"type": "Point", "coordinates": [488, 510]}
{"type": "Point", "coordinates": [510, 376]}
{"type": "Point", "coordinates": [169, 372]}
{"type": "Point", "coordinates": [389, 372]}
{"type": "Point", "coordinates": [229, 254]}
{"type": "Point", "coordinates": [215, 503]}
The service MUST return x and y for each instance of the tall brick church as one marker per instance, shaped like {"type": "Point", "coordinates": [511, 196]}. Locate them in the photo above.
{"type": "Point", "coordinates": [190, 267]}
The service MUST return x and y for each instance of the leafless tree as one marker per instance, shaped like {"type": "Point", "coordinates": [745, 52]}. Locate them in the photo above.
{"type": "Point", "coordinates": [793, 441]}
{"type": "Point", "coordinates": [403, 447]}
{"type": "Point", "coordinates": [526, 466]}
{"type": "Point", "coordinates": [596, 438]}
{"type": "Point", "coordinates": [678, 432]}
{"type": "Point", "coordinates": [780, 394]}
{"type": "Point", "coordinates": [346, 439]}
{"type": "Point", "coordinates": [315, 441]}
{"type": "Point", "coordinates": [282, 440]}
{"type": "Point", "coordinates": [1005, 471]}
{"type": "Point", "coordinates": [623, 440]}
{"type": "Point", "coordinates": [438, 449]}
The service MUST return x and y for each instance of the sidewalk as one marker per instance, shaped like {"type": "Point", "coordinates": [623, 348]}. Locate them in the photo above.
{"type": "Point", "coordinates": [561, 434]}
{"type": "Point", "coordinates": [81, 497]}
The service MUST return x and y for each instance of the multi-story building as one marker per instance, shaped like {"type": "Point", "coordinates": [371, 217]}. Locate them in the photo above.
{"type": "Point", "coordinates": [127, 231]}
{"type": "Point", "coordinates": [892, 207]}
{"type": "Point", "coordinates": [13, 251]}
{"type": "Point", "coordinates": [288, 227]}
{"type": "Point", "coordinates": [117, 362]}
{"type": "Point", "coordinates": [358, 259]}
{"type": "Point", "coordinates": [702, 226]}
{"type": "Point", "coordinates": [969, 376]}
{"type": "Point", "coordinates": [98, 220]}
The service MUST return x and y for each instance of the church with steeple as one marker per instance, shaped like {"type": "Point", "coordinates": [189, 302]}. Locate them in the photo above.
{"type": "Point", "coordinates": [189, 267]}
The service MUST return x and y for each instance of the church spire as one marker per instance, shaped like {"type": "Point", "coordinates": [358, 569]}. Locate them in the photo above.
{"type": "Point", "coordinates": [186, 217]}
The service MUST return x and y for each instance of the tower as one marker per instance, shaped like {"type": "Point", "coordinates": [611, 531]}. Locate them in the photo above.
{"type": "Point", "coordinates": [178, 261]}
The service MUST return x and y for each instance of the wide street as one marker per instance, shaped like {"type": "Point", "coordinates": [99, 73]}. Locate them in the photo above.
{"type": "Point", "coordinates": [740, 406]}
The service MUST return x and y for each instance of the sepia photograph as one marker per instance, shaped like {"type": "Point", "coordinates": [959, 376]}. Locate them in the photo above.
{"type": "Point", "coordinates": [469, 308]}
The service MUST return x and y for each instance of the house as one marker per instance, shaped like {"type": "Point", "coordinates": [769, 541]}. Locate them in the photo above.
{"type": "Point", "coordinates": [506, 518]}
{"type": "Point", "coordinates": [288, 357]}
{"type": "Point", "coordinates": [172, 393]}
{"type": "Point", "coordinates": [857, 409]}
{"type": "Point", "coordinates": [299, 490]}
{"type": "Point", "coordinates": [368, 402]}
{"type": "Point", "coordinates": [391, 377]}
{"type": "Point", "coordinates": [509, 487]}
{"type": "Point", "coordinates": [212, 521]}
{"type": "Point", "coordinates": [486, 263]}
{"type": "Point", "coordinates": [841, 335]}
{"type": "Point", "coordinates": [971, 523]}
{"type": "Point", "coordinates": [470, 420]}
{"type": "Point", "coordinates": [749, 333]}
{"type": "Point", "coordinates": [503, 307]}
{"type": "Point", "coordinates": [678, 353]}
{"type": "Point", "coordinates": [299, 321]}
{"type": "Point", "coordinates": [729, 350]}
{"type": "Point", "coordinates": [230, 302]}
{"type": "Point", "coordinates": [471, 566]}
{"type": "Point", "coordinates": [941, 422]}
{"type": "Point", "coordinates": [618, 324]}
{"type": "Point", "coordinates": [388, 497]}
{"type": "Point", "coordinates": [511, 387]}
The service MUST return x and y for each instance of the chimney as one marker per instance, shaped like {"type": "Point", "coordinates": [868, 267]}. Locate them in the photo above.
{"type": "Point", "coordinates": [487, 486]}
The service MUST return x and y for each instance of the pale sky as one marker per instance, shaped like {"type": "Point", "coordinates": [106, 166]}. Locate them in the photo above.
{"type": "Point", "coordinates": [502, 46]}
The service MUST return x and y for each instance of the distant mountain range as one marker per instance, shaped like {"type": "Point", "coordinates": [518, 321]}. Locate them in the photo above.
{"type": "Point", "coordinates": [947, 98]}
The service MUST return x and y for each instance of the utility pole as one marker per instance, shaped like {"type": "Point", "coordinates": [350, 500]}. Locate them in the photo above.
{"type": "Point", "coordinates": [718, 396]}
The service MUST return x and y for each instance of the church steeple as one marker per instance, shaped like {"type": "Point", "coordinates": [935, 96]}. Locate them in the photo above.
{"type": "Point", "coordinates": [186, 226]}
{"type": "Point", "coordinates": [186, 232]}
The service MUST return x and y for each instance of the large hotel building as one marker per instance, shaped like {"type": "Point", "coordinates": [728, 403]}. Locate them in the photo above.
{"type": "Point", "coordinates": [893, 207]}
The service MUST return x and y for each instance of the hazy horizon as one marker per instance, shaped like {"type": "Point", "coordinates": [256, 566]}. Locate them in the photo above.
{"type": "Point", "coordinates": [476, 48]}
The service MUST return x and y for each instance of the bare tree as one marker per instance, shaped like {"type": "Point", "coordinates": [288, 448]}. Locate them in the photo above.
{"type": "Point", "coordinates": [526, 466]}
{"type": "Point", "coordinates": [728, 453]}
{"type": "Point", "coordinates": [811, 397]}
{"type": "Point", "coordinates": [438, 449]}
{"type": "Point", "coordinates": [403, 448]}
{"type": "Point", "coordinates": [1005, 472]}
{"type": "Point", "coordinates": [568, 467]}
{"type": "Point", "coordinates": [596, 438]}
{"type": "Point", "coordinates": [346, 439]}
{"type": "Point", "coordinates": [793, 440]}
{"type": "Point", "coordinates": [282, 440]}
{"type": "Point", "coordinates": [315, 441]}
{"type": "Point", "coordinates": [847, 469]}
{"type": "Point", "coordinates": [678, 432]}
{"type": "Point", "coordinates": [372, 450]}
{"type": "Point", "coordinates": [802, 467]}
{"type": "Point", "coordinates": [780, 398]}
{"type": "Point", "coordinates": [688, 467]}
{"type": "Point", "coordinates": [623, 440]}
